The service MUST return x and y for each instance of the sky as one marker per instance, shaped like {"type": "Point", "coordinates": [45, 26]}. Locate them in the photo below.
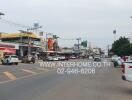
{"type": "Point", "coordinates": [92, 20]}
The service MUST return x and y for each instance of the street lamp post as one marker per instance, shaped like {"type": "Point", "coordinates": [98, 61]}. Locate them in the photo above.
{"type": "Point", "coordinates": [114, 32]}
{"type": "Point", "coordinates": [1, 14]}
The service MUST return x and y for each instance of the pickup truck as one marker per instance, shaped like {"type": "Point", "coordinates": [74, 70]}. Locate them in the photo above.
{"type": "Point", "coordinates": [127, 69]}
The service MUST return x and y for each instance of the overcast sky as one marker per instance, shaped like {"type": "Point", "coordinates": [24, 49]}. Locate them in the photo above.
{"type": "Point", "coordinates": [93, 20]}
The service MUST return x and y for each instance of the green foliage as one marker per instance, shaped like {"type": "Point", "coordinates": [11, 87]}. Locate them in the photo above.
{"type": "Point", "coordinates": [84, 43]}
{"type": "Point", "coordinates": [122, 47]}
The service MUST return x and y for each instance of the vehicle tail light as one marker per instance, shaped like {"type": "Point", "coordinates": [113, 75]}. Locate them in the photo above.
{"type": "Point", "coordinates": [130, 67]}
{"type": "Point", "coordinates": [123, 68]}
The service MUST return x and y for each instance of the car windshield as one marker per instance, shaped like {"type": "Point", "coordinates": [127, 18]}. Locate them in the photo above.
{"type": "Point", "coordinates": [14, 56]}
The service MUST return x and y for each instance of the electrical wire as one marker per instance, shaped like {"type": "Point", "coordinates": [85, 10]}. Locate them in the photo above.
{"type": "Point", "coordinates": [68, 39]}
{"type": "Point", "coordinates": [15, 24]}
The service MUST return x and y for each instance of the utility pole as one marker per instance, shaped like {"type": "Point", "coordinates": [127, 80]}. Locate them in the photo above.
{"type": "Point", "coordinates": [56, 38]}
{"type": "Point", "coordinates": [1, 14]}
{"type": "Point", "coordinates": [29, 42]}
{"type": "Point", "coordinates": [35, 28]}
{"type": "Point", "coordinates": [21, 40]}
{"type": "Point", "coordinates": [78, 40]}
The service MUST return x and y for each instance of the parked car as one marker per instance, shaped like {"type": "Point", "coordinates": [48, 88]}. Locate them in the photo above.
{"type": "Point", "coordinates": [28, 59]}
{"type": "Point", "coordinates": [61, 58]}
{"type": "Point", "coordinates": [55, 58]}
{"type": "Point", "coordinates": [52, 58]}
{"type": "Point", "coordinates": [10, 59]}
{"type": "Point", "coordinates": [72, 57]}
{"type": "Point", "coordinates": [127, 70]}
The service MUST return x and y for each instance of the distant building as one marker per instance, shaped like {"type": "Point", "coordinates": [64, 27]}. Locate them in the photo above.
{"type": "Point", "coordinates": [96, 50]}
{"type": "Point", "coordinates": [24, 40]}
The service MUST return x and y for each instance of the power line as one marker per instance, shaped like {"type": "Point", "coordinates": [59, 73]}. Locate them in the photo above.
{"type": "Point", "coordinates": [20, 25]}
{"type": "Point", "coordinates": [68, 38]}
{"type": "Point", "coordinates": [13, 23]}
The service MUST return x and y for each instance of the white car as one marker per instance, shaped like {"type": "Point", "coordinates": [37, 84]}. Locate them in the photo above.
{"type": "Point", "coordinates": [90, 57]}
{"type": "Point", "coordinates": [10, 59]}
{"type": "Point", "coordinates": [72, 57]}
{"type": "Point", "coordinates": [97, 58]}
{"type": "Point", "coordinates": [127, 70]}
{"type": "Point", "coordinates": [114, 58]}
{"type": "Point", "coordinates": [55, 58]}
{"type": "Point", "coordinates": [118, 62]}
{"type": "Point", "coordinates": [52, 58]}
{"type": "Point", "coordinates": [61, 57]}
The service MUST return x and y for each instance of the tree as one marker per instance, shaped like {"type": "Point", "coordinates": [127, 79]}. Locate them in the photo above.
{"type": "Point", "coordinates": [122, 47]}
{"type": "Point", "coordinates": [84, 43]}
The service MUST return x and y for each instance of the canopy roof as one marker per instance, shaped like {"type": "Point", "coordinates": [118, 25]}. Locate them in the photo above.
{"type": "Point", "coordinates": [18, 35]}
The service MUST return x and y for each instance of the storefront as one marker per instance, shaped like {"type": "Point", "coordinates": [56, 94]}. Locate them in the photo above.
{"type": "Point", "coordinates": [28, 42]}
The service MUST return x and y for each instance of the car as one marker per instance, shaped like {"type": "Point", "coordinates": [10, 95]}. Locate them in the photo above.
{"type": "Point", "coordinates": [10, 59]}
{"type": "Point", "coordinates": [72, 57]}
{"type": "Point", "coordinates": [52, 58]}
{"type": "Point", "coordinates": [90, 57]}
{"type": "Point", "coordinates": [28, 59]}
{"type": "Point", "coordinates": [114, 58]}
{"type": "Point", "coordinates": [56, 58]}
{"type": "Point", "coordinates": [127, 70]}
{"type": "Point", "coordinates": [61, 58]}
{"type": "Point", "coordinates": [118, 62]}
{"type": "Point", "coordinates": [97, 58]}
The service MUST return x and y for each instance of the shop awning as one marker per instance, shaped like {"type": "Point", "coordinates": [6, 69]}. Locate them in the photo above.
{"type": "Point", "coordinates": [8, 50]}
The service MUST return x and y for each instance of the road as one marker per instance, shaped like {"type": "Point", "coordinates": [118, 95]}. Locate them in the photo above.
{"type": "Point", "coordinates": [29, 82]}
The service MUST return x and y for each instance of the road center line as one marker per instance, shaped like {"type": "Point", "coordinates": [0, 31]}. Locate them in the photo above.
{"type": "Point", "coordinates": [29, 71]}
{"type": "Point", "coordinates": [10, 75]}
{"type": "Point", "coordinates": [46, 70]}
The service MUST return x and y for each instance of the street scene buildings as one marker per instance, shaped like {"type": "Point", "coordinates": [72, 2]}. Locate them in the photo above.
{"type": "Point", "coordinates": [65, 50]}
{"type": "Point", "coordinates": [22, 44]}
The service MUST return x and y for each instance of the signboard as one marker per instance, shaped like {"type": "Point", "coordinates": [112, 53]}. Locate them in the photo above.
{"type": "Point", "coordinates": [50, 43]}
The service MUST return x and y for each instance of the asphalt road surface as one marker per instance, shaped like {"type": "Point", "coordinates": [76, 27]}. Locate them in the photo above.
{"type": "Point", "coordinates": [29, 82]}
